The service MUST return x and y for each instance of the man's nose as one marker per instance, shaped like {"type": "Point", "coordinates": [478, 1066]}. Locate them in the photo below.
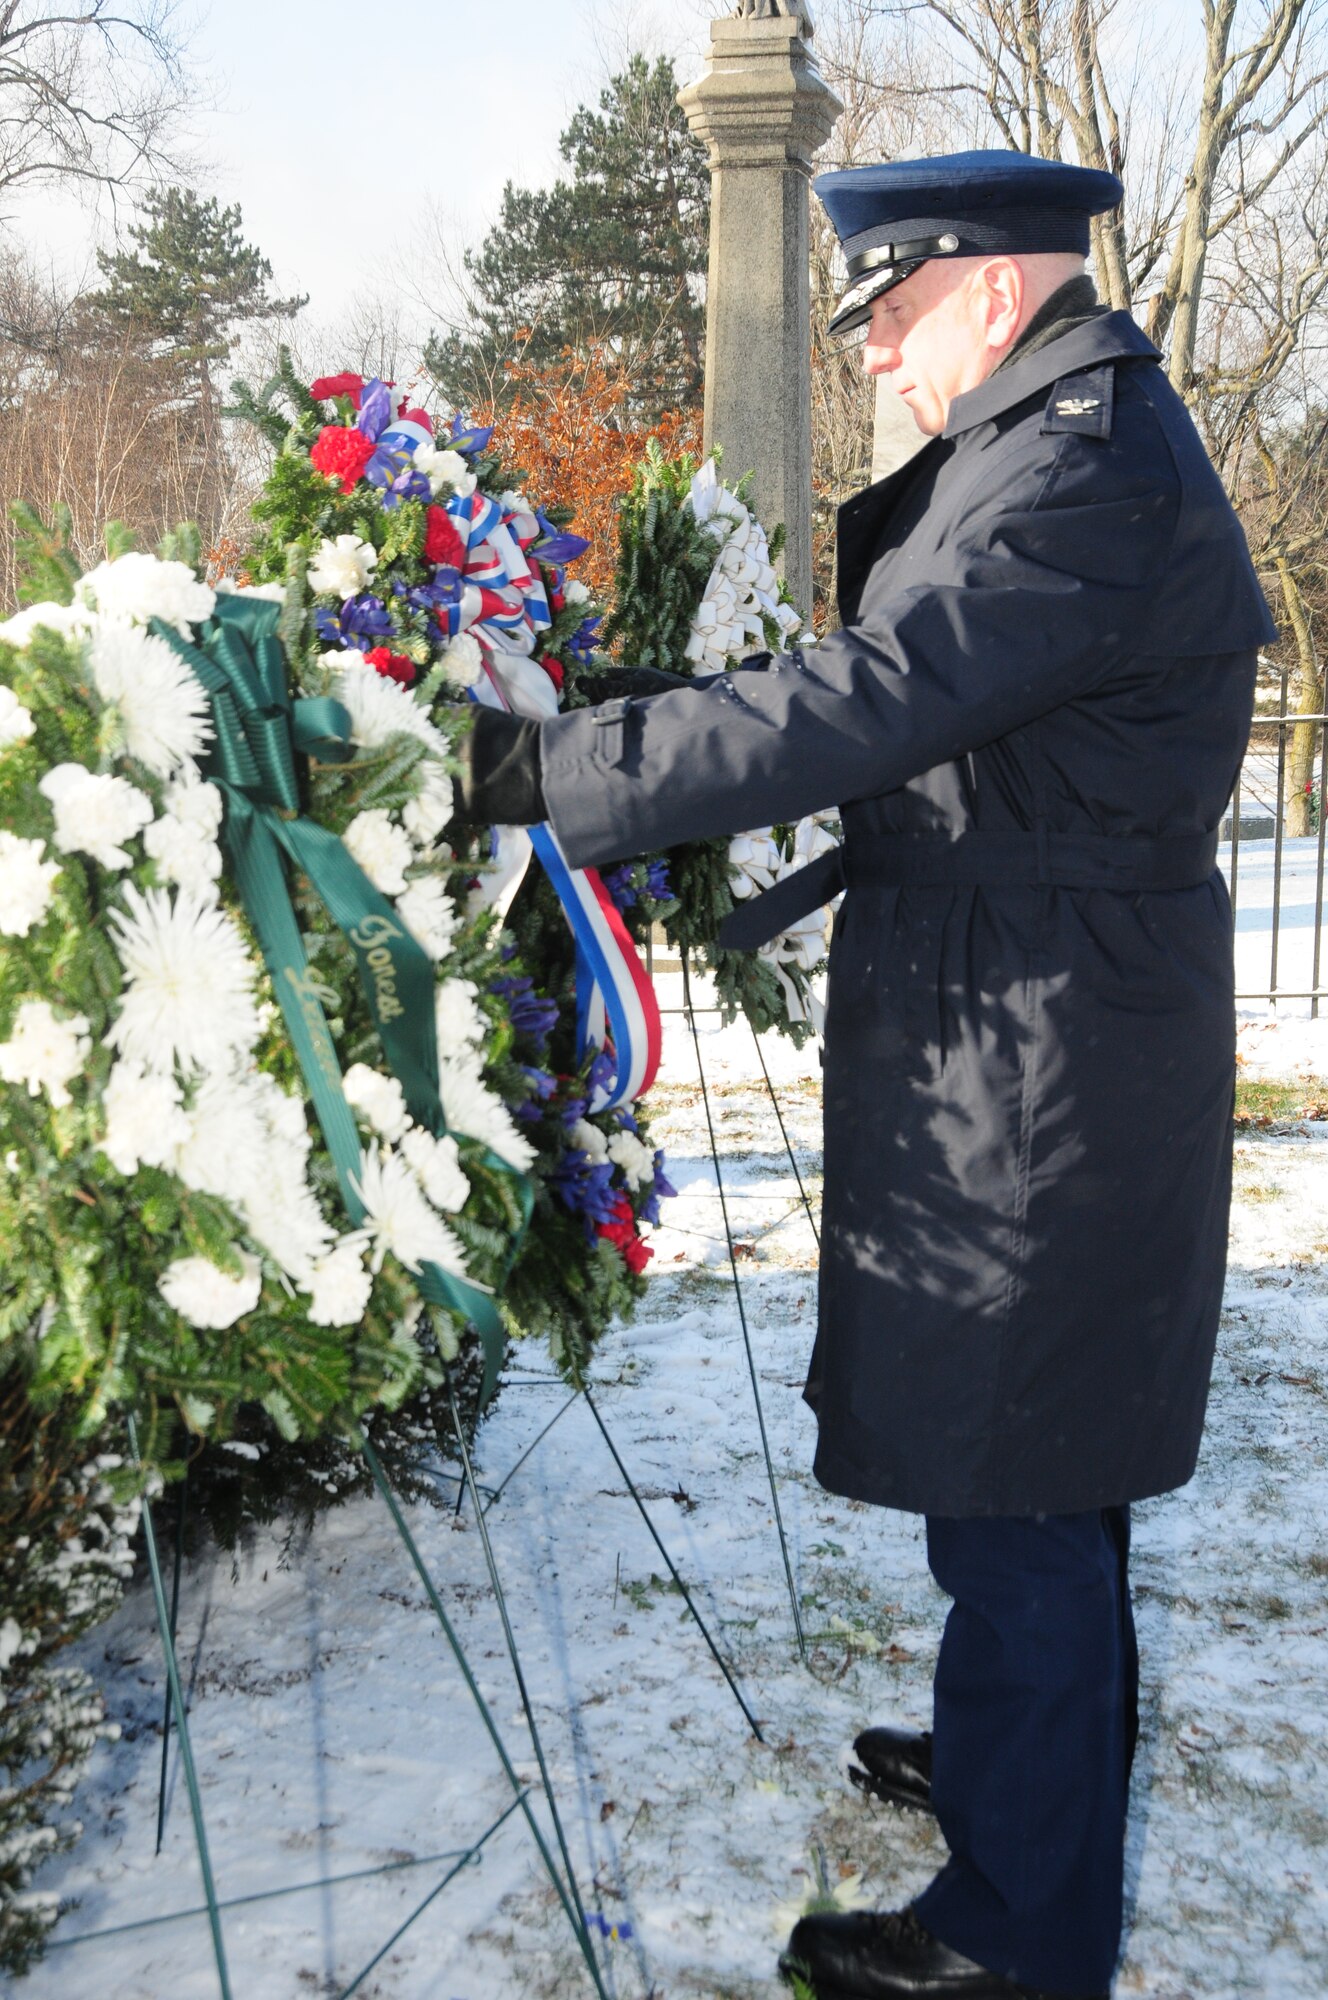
{"type": "Point", "coordinates": [880, 358]}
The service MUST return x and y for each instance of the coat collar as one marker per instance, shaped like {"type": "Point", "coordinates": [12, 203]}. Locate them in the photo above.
{"type": "Point", "coordinates": [1113, 337]}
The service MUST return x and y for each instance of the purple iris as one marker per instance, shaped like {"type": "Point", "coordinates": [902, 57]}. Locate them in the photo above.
{"type": "Point", "coordinates": [618, 881]}
{"type": "Point", "coordinates": [574, 1110]}
{"type": "Point", "coordinates": [394, 473]}
{"type": "Point", "coordinates": [467, 440]}
{"type": "Point", "coordinates": [657, 881]}
{"type": "Point", "coordinates": [662, 1187]}
{"type": "Point", "coordinates": [603, 1070]}
{"type": "Point", "coordinates": [364, 618]}
{"type": "Point", "coordinates": [586, 1187]}
{"type": "Point", "coordinates": [555, 546]}
{"type": "Point", "coordinates": [529, 1013]}
{"type": "Point", "coordinates": [583, 641]}
{"type": "Point", "coordinates": [445, 587]}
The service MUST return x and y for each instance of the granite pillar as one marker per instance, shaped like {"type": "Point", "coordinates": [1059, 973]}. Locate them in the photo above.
{"type": "Point", "coordinates": [763, 110]}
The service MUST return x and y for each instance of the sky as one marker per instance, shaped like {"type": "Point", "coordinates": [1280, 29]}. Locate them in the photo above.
{"type": "Point", "coordinates": [351, 131]}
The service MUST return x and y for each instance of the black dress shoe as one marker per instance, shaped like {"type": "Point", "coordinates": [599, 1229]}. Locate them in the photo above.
{"type": "Point", "coordinates": [896, 1767]}
{"type": "Point", "coordinates": [871, 1955]}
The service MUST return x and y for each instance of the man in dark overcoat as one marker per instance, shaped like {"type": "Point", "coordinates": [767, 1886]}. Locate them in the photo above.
{"type": "Point", "coordinates": [1030, 719]}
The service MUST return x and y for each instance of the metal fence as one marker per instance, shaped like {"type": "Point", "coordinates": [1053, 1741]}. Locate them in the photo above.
{"type": "Point", "coordinates": [1277, 881]}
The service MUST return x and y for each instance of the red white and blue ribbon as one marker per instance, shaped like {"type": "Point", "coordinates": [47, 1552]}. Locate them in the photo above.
{"type": "Point", "coordinates": [616, 1006]}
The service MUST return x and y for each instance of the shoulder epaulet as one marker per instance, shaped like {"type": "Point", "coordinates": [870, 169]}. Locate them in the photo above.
{"type": "Point", "coordinates": [1082, 403]}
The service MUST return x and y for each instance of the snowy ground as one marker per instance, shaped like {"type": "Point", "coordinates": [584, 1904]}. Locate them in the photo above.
{"type": "Point", "coordinates": [333, 1733]}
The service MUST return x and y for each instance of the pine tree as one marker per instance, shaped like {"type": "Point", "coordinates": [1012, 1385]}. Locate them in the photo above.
{"type": "Point", "coordinates": [191, 283]}
{"type": "Point", "coordinates": [615, 254]}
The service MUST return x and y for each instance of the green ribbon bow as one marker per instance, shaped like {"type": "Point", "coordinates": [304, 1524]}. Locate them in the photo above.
{"type": "Point", "coordinates": [260, 735]}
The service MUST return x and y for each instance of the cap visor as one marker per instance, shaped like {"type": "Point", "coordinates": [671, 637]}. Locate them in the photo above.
{"type": "Point", "coordinates": [855, 308]}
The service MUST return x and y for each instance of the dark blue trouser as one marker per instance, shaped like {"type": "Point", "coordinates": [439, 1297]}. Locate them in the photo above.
{"type": "Point", "coordinates": [1035, 1720]}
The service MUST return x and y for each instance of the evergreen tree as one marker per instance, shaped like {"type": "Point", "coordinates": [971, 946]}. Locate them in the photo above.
{"type": "Point", "coordinates": [190, 284]}
{"type": "Point", "coordinates": [614, 254]}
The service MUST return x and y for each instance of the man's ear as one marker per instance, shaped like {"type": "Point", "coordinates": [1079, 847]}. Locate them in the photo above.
{"type": "Point", "coordinates": [1002, 291]}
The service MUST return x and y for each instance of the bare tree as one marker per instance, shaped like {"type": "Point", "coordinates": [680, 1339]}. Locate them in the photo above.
{"type": "Point", "coordinates": [91, 93]}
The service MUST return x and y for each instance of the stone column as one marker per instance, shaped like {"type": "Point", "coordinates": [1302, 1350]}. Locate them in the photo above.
{"type": "Point", "coordinates": [763, 110]}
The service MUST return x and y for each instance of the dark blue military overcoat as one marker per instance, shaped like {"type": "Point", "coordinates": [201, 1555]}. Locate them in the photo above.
{"type": "Point", "coordinates": [1031, 719]}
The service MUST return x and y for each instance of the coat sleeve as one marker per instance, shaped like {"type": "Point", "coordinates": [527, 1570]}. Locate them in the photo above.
{"type": "Point", "coordinates": [1040, 589]}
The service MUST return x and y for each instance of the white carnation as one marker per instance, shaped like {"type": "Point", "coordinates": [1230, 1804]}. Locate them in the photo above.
{"type": "Point", "coordinates": [588, 1138]}
{"type": "Point", "coordinates": [207, 1296]}
{"type": "Point", "coordinates": [189, 983]}
{"type": "Point", "coordinates": [26, 883]}
{"type": "Point", "coordinates": [437, 1166]}
{"type": "Point", "coordinates": [399, 1218]}
{"type": "Point", "coordinates": [432, 806]}
{"type": "Point", "coordinates": [141, 587]}
{"type": "Point", "coordinates": [383, 850]}
{"type": "Point", "coordinates": [379, 1100]}
{"type": "Point", "coordinates": [470, 1107]}
{"type": "Point", "coordinates": [184, 855]}
{"type": "Point", "coordinates": [95, 813]}
{"type": "Point", "coordinates": [430, 915]}
{"type": "Point", "coordinates": [636, 1160]}
{"type": "Point", "coordinates": [224, 1136]}
{"type": "Point", "coordinates": [68, 620]}
{"type": "Point", "coordinates": [457, 1014]}
{"type": "Point", "coordinates": [195, 803]}
{"type": "Point", "coordinates": [462, 661]}
{"type": "Point", "coordinates": [343, 567]}
{"type": "Point", "coordinates": [43, 1051]}
{"type": "Point", "coordinates": [446, 471]}
{"type": "Point", "coordinates": [144, 1119]}
{"type": "Point", "coordinates": [575, 592]}
{"type": "Point", "coordinates": [271, 593]}
{"type": "Point", "coordinates": [248, 1142]}
{"type": "Point", "coordinates": [339, 1286]}
{"type": "Point", "coordinates": [161, 702]}
{"type": "Point", "coordinates": [16, 722]}
{"type": "Point", "coordinates": [379, 708]}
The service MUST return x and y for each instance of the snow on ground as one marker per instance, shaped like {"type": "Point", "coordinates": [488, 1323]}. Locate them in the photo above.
{"type": "Point", "coordinates": [333, 1733]}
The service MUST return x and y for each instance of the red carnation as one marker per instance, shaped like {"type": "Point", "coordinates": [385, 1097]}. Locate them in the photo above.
{"type": "Point", "coordinates": [342, 454]}
{"type": "Point", "coordinates": [328, 386]}
{"type": "Point", "coordinates": [554, 669]}
{"type": "Point", "coordinates": [556, 600]}
{"type": "Point", "coordinates": [622, 1233]}
{"type": "Point", "coordinates": [392, 666]}
{"type": "Point", "coordinates": [442, 543]}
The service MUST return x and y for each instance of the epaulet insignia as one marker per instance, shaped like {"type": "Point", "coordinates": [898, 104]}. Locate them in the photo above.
{"type": "Point", "coordinates": [1082, 403]}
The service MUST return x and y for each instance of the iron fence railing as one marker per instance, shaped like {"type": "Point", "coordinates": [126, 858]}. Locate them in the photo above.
{"type": "Point", "coordinates": [1276, 879]}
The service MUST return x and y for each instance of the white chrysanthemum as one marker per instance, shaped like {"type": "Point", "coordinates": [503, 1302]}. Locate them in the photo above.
{"type": "Point", "coordinates": [400, 1219]}
{"type": "Point", "coordinates": [470, 1107]}
{"type": "Point", "coordinates": [248, 1142]}
{"type": "Point", "coordinates": [462, 661]}
{"type": "Point", "coordinates": [44, 1051]}
{"type": "Point", "coordinates": [69, 620]}
{"type": "Point", "coordinates": [382, 849]}
{"type": "Point", "coordinates": [141, 587]}
{"type": "Point", "coordinates": [161, 702]}
{"type": "Point", "coordinates": [207, 1296]}
{"type": "Point", "coordinates": [282, 1210]}
{"type": "Point", "coordinates": [144, 1119]}
{"type": "Point", "coordinates": [575, 592]}
{"type": "Point", "coordinates": [635, 1159]}
{"type": "Point", "coordinates": [379, 709]}
{"type": "Point", "coordinates": [446, 471]}
{"type": "Point", "coordinates": [95, 813]}
{"type": "Point", "coordinates": [27, 882]}
{"type": "Point", "coordinates": [588, 1138]}
{"type": "Point", "coordinates": [432, 806]}
{"type": "Point", "coordinates": [16, 723]}
{"type": "Point", "coordinates": [224, 1137]}
{"type": "Point", "coordinates": [379, 1100]}
{"type": "Point", "coordinates": [458, 1015]}
{"type": "Point", "coordinates": [437, 1166]}
{"type": "Point", "coordinates": [430, 915]}
{"type": "Point", "coordinates": [339, 1286]}
{"type": "Point", "coordinates": [343, 567]}
{"type": "Point", "coordinates": [189, 983]}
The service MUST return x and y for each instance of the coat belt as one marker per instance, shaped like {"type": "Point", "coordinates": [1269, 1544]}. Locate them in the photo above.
{"type": "Point", "coordinates": [1035, 859]}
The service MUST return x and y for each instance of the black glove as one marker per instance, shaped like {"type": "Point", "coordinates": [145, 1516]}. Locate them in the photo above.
{"type": "Point", "coordinates": [500, 771]}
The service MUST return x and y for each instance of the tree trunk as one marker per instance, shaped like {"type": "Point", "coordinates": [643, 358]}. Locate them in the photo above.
{"type": "Point", "coordinates": [1302, 738]}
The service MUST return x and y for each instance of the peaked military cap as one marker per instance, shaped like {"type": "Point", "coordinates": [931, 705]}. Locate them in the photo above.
{"type": "Point", "coordinates": [893, 217]}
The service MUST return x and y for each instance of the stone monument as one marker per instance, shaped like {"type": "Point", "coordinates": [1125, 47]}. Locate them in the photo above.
{"type": "Point", "coordinates": [763, 110]}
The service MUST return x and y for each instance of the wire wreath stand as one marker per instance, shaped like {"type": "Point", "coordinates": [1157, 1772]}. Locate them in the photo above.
{"type": "Point", "coordinates": [455, 1860]}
